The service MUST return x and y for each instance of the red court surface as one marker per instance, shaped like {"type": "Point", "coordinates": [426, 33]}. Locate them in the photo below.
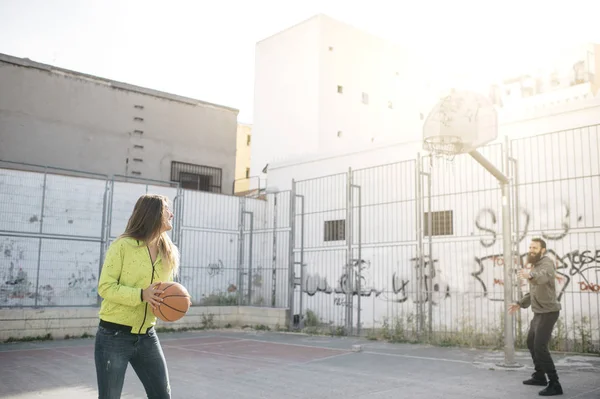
{"type": "Point", "coordinates": [274, 365]}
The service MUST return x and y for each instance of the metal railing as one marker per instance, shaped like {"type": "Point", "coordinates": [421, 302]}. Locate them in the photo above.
{"type": "Point", "coordinates": [407, 250]}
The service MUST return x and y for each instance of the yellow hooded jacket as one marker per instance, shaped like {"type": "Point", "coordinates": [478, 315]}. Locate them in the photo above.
{"type": "Point", "coordinates": [128, 270]}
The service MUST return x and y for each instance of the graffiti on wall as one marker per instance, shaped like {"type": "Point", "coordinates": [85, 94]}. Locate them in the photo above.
{"type": "Point", "coordinates": [215, 268]}
{"type": "Point", "coordinates": [427, 284]}
{"type": "Point", "coordinates": [429, 287]}
{"type": "Point", "coordinates": [16, 286]}
{"type": "Point", "coordinates": [360, 284]}
{"type": "Point", "coordinates": [84, 282]}
{"type": "Point", "coordinates": [486, 221]}
{"type": "Point", "coordinates": [578, 269]}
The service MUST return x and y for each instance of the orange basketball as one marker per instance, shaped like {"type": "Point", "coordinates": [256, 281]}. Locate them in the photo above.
{"type": "Point", "coordinates": [175, 304]}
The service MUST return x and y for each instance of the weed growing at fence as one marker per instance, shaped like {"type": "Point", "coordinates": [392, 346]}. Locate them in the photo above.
{"type": "Point", "coordinates": [312, 320]}
{"type": "Point", "coordinates": [403, 330]}
{"type": "Point", "coordinates": [220, 300]}
{"type": "Point", "coordinates": [84, 335]}
{"type": "Point", "coordinates": [208, 321]}
{"type": "Point", "coordinates": [47, 337]}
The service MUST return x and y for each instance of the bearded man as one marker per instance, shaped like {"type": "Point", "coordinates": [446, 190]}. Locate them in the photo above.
{"type": "Point", "coordinates": [546, 308]}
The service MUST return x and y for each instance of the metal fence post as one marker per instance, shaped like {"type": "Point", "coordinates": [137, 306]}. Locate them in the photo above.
{"type": "Point", "coordinates": [291, 256]}
{"type": "Point", "coordinates": [241, 245]}
{"type": "Point", "coordinates": [360, 261]}
{"type": "Point", "coordinates": [349, 286]}
{"type": "Point", "coordinates": [103, 233]}
{"type": "Point", "coordinates": [430, 289]}
{"type": "Point", "coordinates": [274, 259]}
{"type": "Point", "coordinates": [420, 249]}
{"type": "Point", "coordinates": [250, 245]}
{"type": "Point", "coordinates": [39, 255]}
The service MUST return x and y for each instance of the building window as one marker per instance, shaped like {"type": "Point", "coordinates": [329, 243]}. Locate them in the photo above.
{"type": "Point", "coordinates": [441, 223]}
{"type": "Point", "coordinates": [138, 106]}
{"type": "Point", "coordinates": [579, 73]}
{"type": "Point", "coordinates": [138, 119]}
{"type": "Point", "coordinates": [340, 89]}
{"type": "Point", "coordinates": [248, 140]}
{"type": "Point", "coordinates": [140, 132]}
{"type": "Point", "coordinates": [247, 173]}
{"type": "Point", "coordinates": [365, 98]}
{"type": "Point", "coordinates": [196, 177]}
{"type": "Point", "coordinates": [335, 230]}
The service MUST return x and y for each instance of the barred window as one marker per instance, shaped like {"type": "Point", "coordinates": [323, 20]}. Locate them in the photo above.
{"type": "Point", "coordinates": [196, 177]}
{"type": "Point", "coordinates": [441, 223]}
{"type": "Point", "coordinates": [334, 230]}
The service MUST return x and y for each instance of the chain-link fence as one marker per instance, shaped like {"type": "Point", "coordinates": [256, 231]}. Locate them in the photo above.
{"type": "Point", "coordinates": [56, 225]}
{"type": "Point", "coordinates": [413, 250]}
{"type": "Point", "coordinates": [409, 251]}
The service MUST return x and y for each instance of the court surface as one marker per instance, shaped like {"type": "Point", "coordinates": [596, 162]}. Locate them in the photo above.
{"type": "Point", "coordinates": [239, 364]}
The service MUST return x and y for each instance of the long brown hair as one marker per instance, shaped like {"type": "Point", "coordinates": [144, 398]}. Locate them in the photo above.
{"type": "Point", "coordinates": [145, 224]}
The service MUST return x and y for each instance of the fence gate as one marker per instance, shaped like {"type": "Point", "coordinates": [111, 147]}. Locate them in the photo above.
{"type": "Point", "coordinates": [324, 276]}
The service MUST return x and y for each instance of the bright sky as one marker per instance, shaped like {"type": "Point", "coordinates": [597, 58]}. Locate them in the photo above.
{"type": "Point", "coordinates": [205, 49]}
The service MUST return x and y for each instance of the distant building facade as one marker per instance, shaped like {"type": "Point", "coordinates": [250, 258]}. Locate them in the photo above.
{"type": "Point", "coordinates": [323, 85]}
{"type": "Point", "coordinates": [242, 164]}
{"type": "Point", "coordinates": [60, 118]}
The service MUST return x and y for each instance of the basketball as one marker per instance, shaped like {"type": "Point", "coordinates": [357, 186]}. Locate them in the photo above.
{"type": "Point", "coordinates": [175, 304]}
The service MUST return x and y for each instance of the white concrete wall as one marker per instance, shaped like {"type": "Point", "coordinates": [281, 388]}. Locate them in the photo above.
{"type": "Point", "coordinates": [70, 258]}
{"type": "Point", "coordinates": [286, 95]}
{"type": "Point", "coordinates": [558, 185]}
{"type": "Point", "coordinates": [69, 267]}
{"type": "Point", "coordinates": [571, 109]}
{"type": "Point", "coordinates": [211, 248]}
{"type": "Point", "coordinates": [65, 119]}
{"type": "Point", "coordinates": [298, 109]}
{"type": "Point", "coordinates": [71, 218]}
{"type": "Point", "coordinates": [363, 63]}
{"type": "Point", "coordinates": [60, 322]}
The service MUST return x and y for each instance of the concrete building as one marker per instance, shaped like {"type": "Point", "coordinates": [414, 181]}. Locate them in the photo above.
{"type": "Point", "coordinates": [323, 88]}
{"type": "Point", "coordinates": [567, 97]}
{"type": "Point", "coordinates": [61, 118]}
{"type": "Point", "coordinates": [323, 85]}
{"type": "Point", "coordinates": [372, 219]}
{"type": "Point", "coordinates": [242, 163]}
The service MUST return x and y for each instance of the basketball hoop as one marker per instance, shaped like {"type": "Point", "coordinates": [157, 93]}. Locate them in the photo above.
{"type": "Point", "coordinates": [443, 146]}
{"type": "Point", "coordinates": [459, 123]}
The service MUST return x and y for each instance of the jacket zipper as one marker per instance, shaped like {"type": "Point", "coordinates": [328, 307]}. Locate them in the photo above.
{"type": "Point", "coordinates": [151, 281]}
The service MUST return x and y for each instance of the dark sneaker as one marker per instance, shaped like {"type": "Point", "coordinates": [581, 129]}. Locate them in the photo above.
{"type": "Point", "coordinates": [536, 379]}
{"type": "Point", "coordinates": [552, 389]}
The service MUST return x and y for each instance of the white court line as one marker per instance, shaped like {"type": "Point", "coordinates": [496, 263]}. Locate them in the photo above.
{"type": "Point", "coordinates": [73, 355]}
{"type": "Point", "coordinates": [166, 339]}
{"type": "Point", "coordinates": [45, 349]}
{"type": "Point", "coordinates": [585, 393]}
{"type": "Point", "coordinates": [233, 356]}
{"type": "Point", "coordinates": [324, 358]}
{"type": "Point", "coordinates": [300, 345]}
{"type": "Point", "coordinates": [437, 359]}
{"type": "Point", "coordinates": [368, 352]}
{"type": "Point", "coordinates": [229, 341]}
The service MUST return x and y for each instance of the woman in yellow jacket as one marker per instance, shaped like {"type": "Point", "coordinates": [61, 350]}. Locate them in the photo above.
{"type": "Point", "coordinates": [135, 263]}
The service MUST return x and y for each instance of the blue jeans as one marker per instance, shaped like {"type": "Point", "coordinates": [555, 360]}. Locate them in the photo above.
{"type": "Point", "coordinates": [115, 349]}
